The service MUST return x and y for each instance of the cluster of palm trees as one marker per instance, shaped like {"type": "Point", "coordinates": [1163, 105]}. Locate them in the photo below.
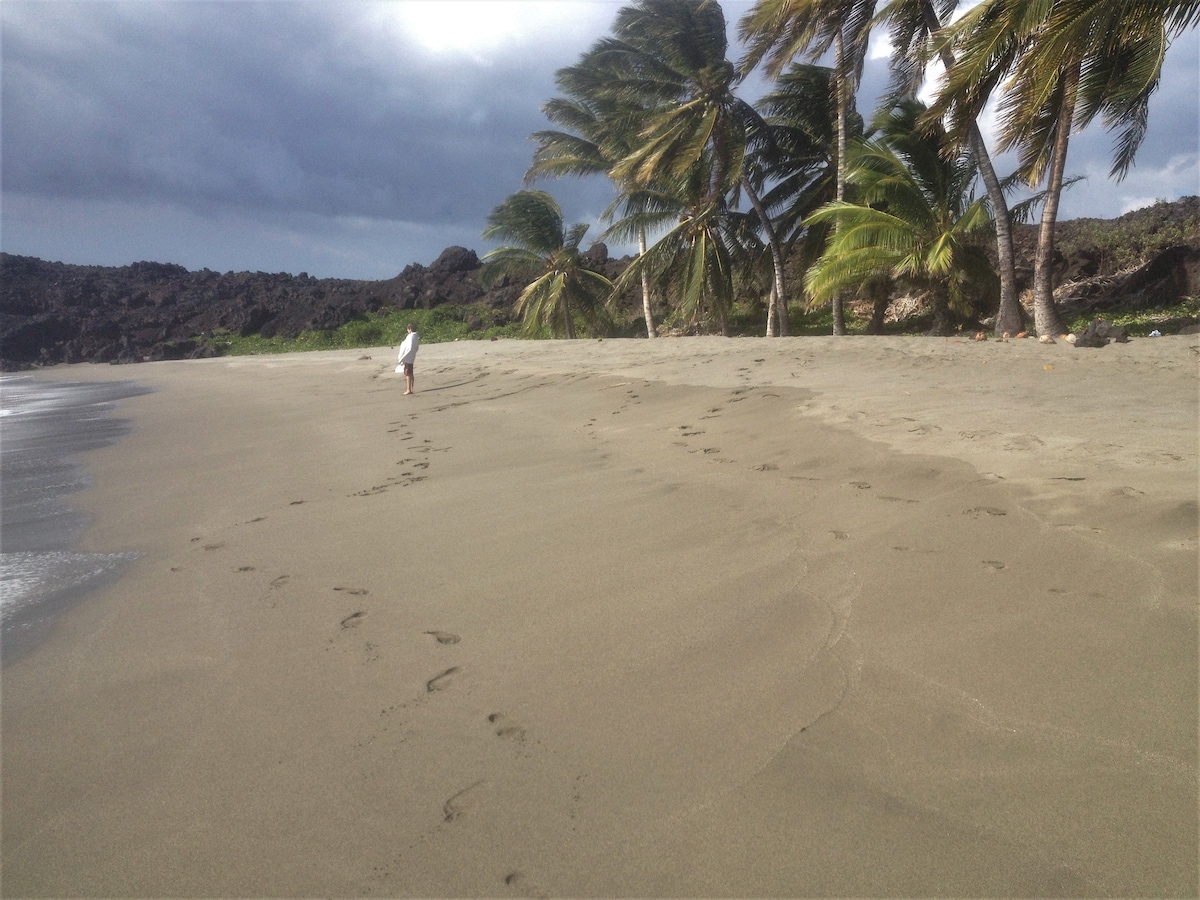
{"type": "Point", "coordinates": [654, 108]}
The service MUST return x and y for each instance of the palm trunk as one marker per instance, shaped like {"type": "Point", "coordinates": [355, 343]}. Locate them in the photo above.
{"type": "Point", "coordinates": [771, 331]}
{"type": "Point", "coordinates": [650, 331]}
{"type": "Point", "coordinates": [879, 289]}
{"type": "Point", "coordinates": [776, 257]}
{"type": "Point", "coordinates": [842, 77]}
{"type": "Point", "coordinates": [1046, 318]}
{"type": "Point", "coordinates": [942, 325]}
{"type": "Point", "coordinates": [1009, 317]}
{"type": "Point", "coordinates": [568, 322]}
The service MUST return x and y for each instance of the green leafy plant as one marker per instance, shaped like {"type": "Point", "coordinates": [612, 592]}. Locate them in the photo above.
{"type": "Point", "coordinates": [1167, 320]}
{"type": "Point", "coordinates": [385, 328]}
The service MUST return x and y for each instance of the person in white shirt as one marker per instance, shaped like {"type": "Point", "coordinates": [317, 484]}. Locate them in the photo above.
{"type": "Point", "coordinates": [408, 356]}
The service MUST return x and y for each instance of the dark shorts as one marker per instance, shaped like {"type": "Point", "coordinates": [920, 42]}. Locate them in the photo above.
{"type": "Point", "coordinates": [408, 368]}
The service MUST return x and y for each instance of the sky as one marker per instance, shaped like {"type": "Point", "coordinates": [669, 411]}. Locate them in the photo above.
{"type": "Point", "coordinates": [348, 139]}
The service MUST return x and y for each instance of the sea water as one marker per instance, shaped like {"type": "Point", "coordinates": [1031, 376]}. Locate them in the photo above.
{"type": "Point", "coordinates": [44, 427]}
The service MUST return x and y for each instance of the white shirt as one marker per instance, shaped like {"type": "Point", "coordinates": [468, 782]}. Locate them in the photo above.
{"type": "Point", "coordinates": [408, 350]}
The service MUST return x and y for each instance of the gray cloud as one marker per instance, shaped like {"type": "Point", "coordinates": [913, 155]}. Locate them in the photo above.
{"type": "Point", "coordinates": [341, 139]}
{"type": "Point", "coordinates": [254, 105]}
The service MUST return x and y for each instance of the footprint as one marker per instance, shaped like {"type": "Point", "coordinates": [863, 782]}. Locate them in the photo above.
{"type": "Point", "coordinates": [217, 546]}
{"type": "Point", "coordinates": [861, 485]}
{"type": "Point", "coordinates": [244, 569]}
{"type": "Point", "coordinates": [521, 882]}
{"type": "Point", "coordinates": [508, 730]}
{"type": "Point", "coordinates": [993, 564]}
{"type": "Point", "coordinates": [295, 503]}
{"type": "Point", "coordinates": [354, 619]}
{"type": "Point", "coordinates": [444, 637]}
{"type": "Point", "coordinates": [765, 467]}
{"type": "Point", "coordinates": [1024, 442]}
{"type": "Point", "coordinates": [976, 511]}
{"type": "Point", "coordinates": [280, 581]}
{"type": "Point", "coordinates": [839, 535]}
{"type": "Point", "coordinates": [442, 680]}
{"type": "Point", "coordinates": [461, 802]}
{"type": "Point", "coordinates": [257, 519]}
{"type": "Point", "coordinates": [357, 592]}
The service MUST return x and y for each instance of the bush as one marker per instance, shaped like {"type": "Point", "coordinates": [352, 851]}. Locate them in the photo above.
{"type": "Point", "coordinates": [385, 328]}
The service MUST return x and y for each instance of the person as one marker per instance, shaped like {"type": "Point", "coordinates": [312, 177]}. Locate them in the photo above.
{"type": "Point", "coordinates": [408, 356]}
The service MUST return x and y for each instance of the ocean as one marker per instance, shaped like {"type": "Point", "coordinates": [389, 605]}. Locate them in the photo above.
{"type": "Point", "coordinates": [44, 427]}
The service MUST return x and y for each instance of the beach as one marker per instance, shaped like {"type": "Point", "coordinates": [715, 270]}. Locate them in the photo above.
{"type": "Point", "coordinates": [684, 617]}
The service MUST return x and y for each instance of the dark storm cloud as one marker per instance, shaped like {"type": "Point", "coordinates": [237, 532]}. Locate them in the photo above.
{"type": "Point", "coordinates": [270, 106]}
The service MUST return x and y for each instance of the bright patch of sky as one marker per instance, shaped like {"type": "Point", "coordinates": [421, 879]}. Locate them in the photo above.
{"type": "Point", "coordinates": [484, 30]}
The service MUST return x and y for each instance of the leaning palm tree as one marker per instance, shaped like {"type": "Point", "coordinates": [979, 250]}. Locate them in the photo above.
{"type": "Point", "coordinates": [912, 27]}
{"type": "Point", "coordinates": [705, 247]}
{"type": "Point", "coordinates": [778, 31]}
{"type": "Point", "coordinates": [669, 56]}
{"type": "Point", "coordinates": [540, 248]}
{"type": "Point", "coordinates": [1058, 65]}
{"type": "Point", "coordinates": [594, 134]}
{"type": "Point", "coordinates": [795, 159]}
{"type": "Point", "coordinates": [915, 218]}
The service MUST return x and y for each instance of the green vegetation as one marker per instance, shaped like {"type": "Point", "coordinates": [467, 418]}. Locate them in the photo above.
{"type": "Point", "coordinates": [1140, 323]}
{"type": "Point", "coordinates": [737, 196]}
{"type": "Point", "coordinates": [450, 323]}
{"type": "Point", "coordinates": [1130, 240]}
{"type": "Point", "coordinates": [655, 109]}
{"type": "Point", "coordinates": [563, 288]}
{"type": "Point", "coordinates": [382, 329]}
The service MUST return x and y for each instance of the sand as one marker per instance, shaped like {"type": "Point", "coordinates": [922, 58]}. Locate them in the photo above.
{"type": "Point", "coordinates": [692, 617]}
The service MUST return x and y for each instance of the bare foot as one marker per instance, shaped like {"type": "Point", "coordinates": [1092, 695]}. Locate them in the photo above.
{"type": "Point", "coordinates": [406, 393]}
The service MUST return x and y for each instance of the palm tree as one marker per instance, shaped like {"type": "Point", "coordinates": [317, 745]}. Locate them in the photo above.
{"type": "Point", "coordinates": [915, 218]}
{"type": "Point", "coordinates": [670, 58]}
{"type": "Point", "coordinates": [1058, 64]}
{"type": "Point", "coordinates": [912, 26]}
{"type": "Point", "coordinates": [699, 256]}
{"type": "Point", "coordinates": [562, 286]}
{"type": "Point", "coordinates": [778, 31]}
{"type": "Point", "coordinates": [796, 157]}
{"type": "Point", "coordinates": [596, 134]}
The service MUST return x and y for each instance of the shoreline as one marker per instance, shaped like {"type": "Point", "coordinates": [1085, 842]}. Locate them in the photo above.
{"type": "Point", "coordinates": [49, 428]}
{"type": "Point", "coordinates": [692, 616]}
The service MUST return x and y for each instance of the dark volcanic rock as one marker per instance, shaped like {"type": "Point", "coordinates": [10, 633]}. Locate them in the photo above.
{"type": "Point", "coordinates": [53, 312]}
{"type": "Point", "coordinates": [1165, 280]}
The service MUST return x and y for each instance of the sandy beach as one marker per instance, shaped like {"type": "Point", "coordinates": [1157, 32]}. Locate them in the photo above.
{"type": "Point", "coordinates": [686, 617]}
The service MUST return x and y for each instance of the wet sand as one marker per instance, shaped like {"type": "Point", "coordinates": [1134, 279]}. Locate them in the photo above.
{"type": "Point", "coordinates": [697, 617]}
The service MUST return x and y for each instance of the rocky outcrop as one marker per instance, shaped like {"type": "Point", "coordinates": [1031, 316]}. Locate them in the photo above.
{"type": "Point", "coordinates": [52, 312]}
{"type": "Point", "coordinates": [1164, 281]}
